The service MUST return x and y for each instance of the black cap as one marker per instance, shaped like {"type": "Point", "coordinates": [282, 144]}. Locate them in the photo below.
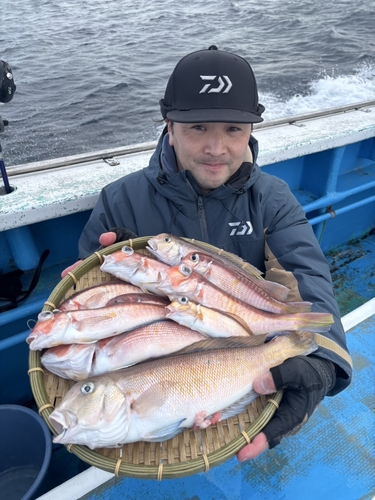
{"type": "Point", "coordinates": [212, 86]}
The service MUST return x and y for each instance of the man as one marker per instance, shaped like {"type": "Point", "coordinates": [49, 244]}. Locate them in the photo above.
{"type": "Point", "coordinates": [202, 182]}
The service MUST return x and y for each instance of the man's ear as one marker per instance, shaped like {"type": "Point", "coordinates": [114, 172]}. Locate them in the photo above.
{"type": "Point", "coordinates": [170, 131]}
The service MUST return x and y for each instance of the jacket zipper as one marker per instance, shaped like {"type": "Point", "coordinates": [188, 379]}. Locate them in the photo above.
{"type": "Point", "coordinates": [202, 219]}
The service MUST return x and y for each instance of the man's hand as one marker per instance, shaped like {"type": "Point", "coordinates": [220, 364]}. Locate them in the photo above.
{"type": "Point", "coordinates": [70, 268]}
{"type": "Point", "coordinates": [305, 381]}
{"type": "Point", "coordinates": [114, 235]}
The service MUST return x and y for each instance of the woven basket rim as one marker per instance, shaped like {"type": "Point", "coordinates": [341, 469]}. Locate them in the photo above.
{"type": "Point", "coordinates": [118, 466]}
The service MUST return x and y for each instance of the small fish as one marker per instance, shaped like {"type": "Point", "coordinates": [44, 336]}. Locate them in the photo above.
{"type": "Point", "coordinates": [155, 400]}
{"type": "Point", "coordinates": [206, 320]}
{"type": "Point", "coordinates": [97, 296]}
{"type": "Point", "coordinates": [171, 249]}
{"type": "Point", "coordinates": [79, 361]}
{"type": "Point", "coordinates": [86, 326]}
{"type": "Point", "coordinates": [134, 267]}
{"type": "Point", "coordinates": [182, 281]}
{"type": "Point", "coordinates": [258, 293]}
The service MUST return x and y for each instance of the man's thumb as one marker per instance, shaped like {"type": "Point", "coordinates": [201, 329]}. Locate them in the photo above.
{"type": "Point", "coordinates": [264, 384]}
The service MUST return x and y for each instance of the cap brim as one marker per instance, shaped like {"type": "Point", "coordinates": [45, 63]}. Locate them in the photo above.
{"type": "Point", "coordinates": [213, 115]}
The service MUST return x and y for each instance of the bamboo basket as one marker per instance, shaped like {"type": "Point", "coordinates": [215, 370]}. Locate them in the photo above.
{"type": "Point", "coordinates": [189, 452]}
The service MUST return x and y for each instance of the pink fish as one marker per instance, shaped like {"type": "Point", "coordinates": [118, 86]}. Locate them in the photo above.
{"type": "Point", "coordinates": [258, 293]}
{"type": "Point", "coordinates": [134, 267]}
{"type": "Point", "coordinates": [182, 281]}
{"type": "Point", "coordinates": [79, 361]}
{"type": "Point", "coordinates": [97, 296]}
{"type": "Point", "coordinates": [155, 400]}
{"type": "Point", "coordinates": [86, 326]}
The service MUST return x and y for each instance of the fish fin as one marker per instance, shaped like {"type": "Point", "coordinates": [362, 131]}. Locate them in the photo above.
{"type": "Point", "coordinates": [272, 335]}
{"type": "Point", "coordinates": [239, 406]}
{"type": "Point", "coordinates": [222, 343]}
{"type": "Point", "coordinates": [276, 290]}
{"type": "Point", "coordinates": [164, 433]}
{"type": "Point", "coordinates": [298, 307]}
{"type": "Point", "coordinates": [239, 320]}
{"type": "Point", "coordinates": [152, 399]}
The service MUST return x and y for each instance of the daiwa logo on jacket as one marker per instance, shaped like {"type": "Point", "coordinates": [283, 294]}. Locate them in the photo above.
{"type": "Point", "coordinates": [240, 228]}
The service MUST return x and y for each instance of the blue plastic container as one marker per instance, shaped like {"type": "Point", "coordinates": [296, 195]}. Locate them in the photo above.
{"type": "Point", "coordinates": [25, 453]}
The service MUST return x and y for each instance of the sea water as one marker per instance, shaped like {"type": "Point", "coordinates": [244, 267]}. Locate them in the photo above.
{"type": "Point", "coordinates": [89, 74]}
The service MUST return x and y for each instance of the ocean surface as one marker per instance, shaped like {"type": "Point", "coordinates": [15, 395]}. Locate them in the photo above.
{"type": "Point", "coordinates": [89, 74]}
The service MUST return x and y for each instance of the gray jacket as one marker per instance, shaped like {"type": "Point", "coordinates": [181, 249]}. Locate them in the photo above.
{"type": "Point", "coordinates": [254, 215]}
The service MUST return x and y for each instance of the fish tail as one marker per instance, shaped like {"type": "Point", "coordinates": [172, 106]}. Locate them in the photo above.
{"type": "Point", "coordinates": [315, 322]}
{"type": "Point", "coordinates": [303, 342]}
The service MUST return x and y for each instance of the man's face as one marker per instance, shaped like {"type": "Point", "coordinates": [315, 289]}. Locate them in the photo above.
{"type": "Point", "coordinates": [212, 152]}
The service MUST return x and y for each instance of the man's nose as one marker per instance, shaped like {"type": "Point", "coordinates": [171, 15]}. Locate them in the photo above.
{"type": "Point", "coordinates": [215, 145]}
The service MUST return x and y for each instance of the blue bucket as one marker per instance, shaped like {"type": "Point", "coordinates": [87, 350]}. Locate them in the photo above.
{"type": "Point", "coordinates": [25, 453]}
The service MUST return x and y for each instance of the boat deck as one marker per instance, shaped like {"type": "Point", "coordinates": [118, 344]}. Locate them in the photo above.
{"type": "Point", "coordinates": [353, 272]}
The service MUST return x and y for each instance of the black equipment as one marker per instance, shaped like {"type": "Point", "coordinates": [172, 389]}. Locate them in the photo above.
{"type": "Point", "coordinates": [7, 85]}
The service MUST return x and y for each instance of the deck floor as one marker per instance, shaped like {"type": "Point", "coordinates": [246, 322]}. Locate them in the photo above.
{"type": "Point", "coordinates": [353, 273]}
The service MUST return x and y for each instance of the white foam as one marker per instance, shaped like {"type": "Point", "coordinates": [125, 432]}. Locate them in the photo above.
{"type": "Point", "coordinates": [328, 91]}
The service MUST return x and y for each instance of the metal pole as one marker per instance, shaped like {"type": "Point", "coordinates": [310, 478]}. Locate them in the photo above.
{"type": "Point", "coordinates": [3, 171]}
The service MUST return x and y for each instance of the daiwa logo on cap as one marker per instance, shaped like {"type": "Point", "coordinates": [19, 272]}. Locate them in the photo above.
{"type": "Point", "coordinates": [223, 87]}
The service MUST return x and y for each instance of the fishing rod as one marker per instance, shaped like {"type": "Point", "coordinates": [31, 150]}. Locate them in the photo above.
{"type": "Point", "coordinates": [7, 89]}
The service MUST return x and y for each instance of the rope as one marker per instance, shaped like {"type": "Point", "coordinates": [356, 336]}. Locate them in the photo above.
{"type": "Point", "coordinates": [206, 462]}
{"type": "Point", "coordinates": [37, 369]}
{"type": "Point", "coordinates": [44, 407]}
{"type": "Point", "coordinates": [275, 403]}
{"type": "Point", "coordinates": [73, 277]}
{"type": "Point", "coordinates": [50, 304]}
{"type": "Point", "coordinates": [100, 257]}
{"type": "Point", "coordinates": [117, 468]}
{"type": "Point", "coordinates": [160, 471]}
{"type": "Point", "coordinates": [248, 441]}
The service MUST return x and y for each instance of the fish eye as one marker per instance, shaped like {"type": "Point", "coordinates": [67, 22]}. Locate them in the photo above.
{"type": "Point", "coordinates": [87, 388]}
{"type": "Point", "coordinates": [183, 301]}
{"type": "Point", "coordinates": [45, 315]}
{"type": "Point", "coordinates": [167, 239]}
{"type": "Point", "coordinates": [185, 270]}
{"type": "Point", "coordinates": [194, 257]}
{"type": "Point", "coordinates": [128, 250]}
